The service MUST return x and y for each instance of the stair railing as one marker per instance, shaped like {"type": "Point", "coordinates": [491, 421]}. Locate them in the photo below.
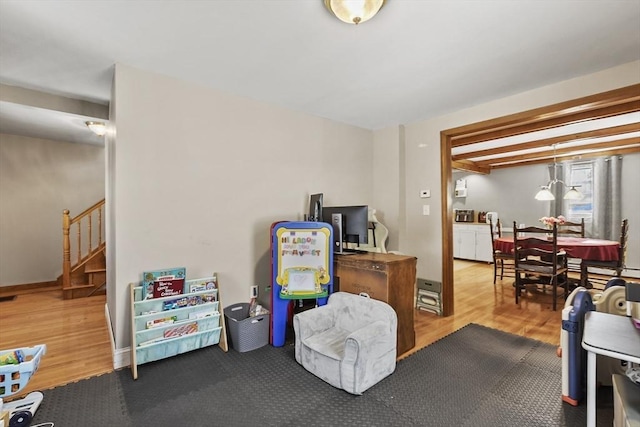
{"type": "Point", "coordinates": [83, 248]}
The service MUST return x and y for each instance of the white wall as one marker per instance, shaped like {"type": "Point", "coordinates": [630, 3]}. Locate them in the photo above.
{"type": "Point", "coordinates": [38, 180]}
{"type": "Point", "coordinates": [422, 145]}
{"type": "Point", "coordinates": [199, 176]}
{"type": "Point", "coordinates": [509, 191]}
{"type": "Point", "coordinates": [631, 209]}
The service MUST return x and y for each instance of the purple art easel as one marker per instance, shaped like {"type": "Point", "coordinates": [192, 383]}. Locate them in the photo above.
{"type": "Point", "coordinates": [298, 245]}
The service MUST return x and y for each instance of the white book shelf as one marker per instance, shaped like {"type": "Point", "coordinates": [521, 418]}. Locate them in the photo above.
{"type": "Point", "coordinates": [197, 323]}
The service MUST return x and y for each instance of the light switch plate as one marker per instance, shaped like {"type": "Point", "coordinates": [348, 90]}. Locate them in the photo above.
{"type": "Point", "coordinates": [425, 209]}
{"type": "Point", "coordinates": [425, 193]}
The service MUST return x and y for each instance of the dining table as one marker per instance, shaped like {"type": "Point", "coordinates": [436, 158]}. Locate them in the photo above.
{"type": "Point", "coordinates": [575, 247]}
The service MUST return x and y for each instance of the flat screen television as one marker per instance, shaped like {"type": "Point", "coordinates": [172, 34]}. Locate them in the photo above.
{"type": "Point", "coordinates": [315, 208]}
{"type": "Point", "coordinates": [350, 225]}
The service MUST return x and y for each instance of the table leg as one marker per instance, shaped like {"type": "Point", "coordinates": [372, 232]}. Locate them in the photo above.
{"type": "Point", "coordinates": [591, 389]}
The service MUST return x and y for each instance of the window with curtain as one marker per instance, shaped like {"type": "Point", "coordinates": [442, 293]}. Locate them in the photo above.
{"type": "Point", "coordinates": [581, 175]}
{"type": "Point", "coordinates": [600, 182]}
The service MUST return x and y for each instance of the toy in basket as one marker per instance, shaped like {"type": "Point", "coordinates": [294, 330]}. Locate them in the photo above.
{"type": "Point", "coordinates": [16, 368]}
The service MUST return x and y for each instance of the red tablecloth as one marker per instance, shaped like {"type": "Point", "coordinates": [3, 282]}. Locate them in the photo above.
{"type": "Point", "coordinates": [575, 247]}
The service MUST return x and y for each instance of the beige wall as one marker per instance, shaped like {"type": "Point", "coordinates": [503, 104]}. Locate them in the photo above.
{"type": "Point", "coordinates": [199, 176]}
{"type": "Point", "coordinates": [196, 177]}
{"type": "Point", "coordinates": [422, 144]}
{"type": "Point", "coordinates": [38, 180]}
{"type": "Point", "coordinates": [388, 171]}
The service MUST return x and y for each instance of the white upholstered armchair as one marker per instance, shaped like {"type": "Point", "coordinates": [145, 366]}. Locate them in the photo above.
{"type": "Point", "coordinates": [350, 342]}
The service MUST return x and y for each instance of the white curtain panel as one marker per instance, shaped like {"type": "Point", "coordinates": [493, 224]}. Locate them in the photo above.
{"type": "Point", "coordinates": [607, 197]}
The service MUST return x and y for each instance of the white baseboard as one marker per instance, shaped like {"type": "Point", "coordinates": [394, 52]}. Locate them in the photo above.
{"type": "Point", "coordinates": [121, 356]}
{"type": "Point", "coordinates": [631, 272]}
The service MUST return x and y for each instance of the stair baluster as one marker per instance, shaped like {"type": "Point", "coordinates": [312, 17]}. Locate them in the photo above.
{"type": "Point", "coordinates": [90, 261]}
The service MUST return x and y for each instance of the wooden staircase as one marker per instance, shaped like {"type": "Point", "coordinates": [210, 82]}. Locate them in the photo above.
{"type": "Point", "coordinates": [87, 275]}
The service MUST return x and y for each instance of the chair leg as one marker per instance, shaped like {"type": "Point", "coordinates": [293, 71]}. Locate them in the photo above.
{"type": "Point", "coordinates": [495, 270]}
{"type": "Point", "coordinates": [501, 268]}
{"type": "Point", "coordinates": [554, 289]}
{"type": "Point", "coordinates": [517, 283]}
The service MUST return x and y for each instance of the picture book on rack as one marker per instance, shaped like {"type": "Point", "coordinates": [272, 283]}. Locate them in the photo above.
{"type": "Point", "coordinates": [167, 287]}
{"type": "Point", "coordinates": [149, 278]}
{"type": "Point", "coordinates": [178, 331]}
{"type": "Point", "coordinates": [187, 301]}
{"type": "Point", "coordinates": [203, 284]}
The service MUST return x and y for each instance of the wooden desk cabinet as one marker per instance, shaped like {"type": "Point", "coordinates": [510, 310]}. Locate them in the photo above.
{"type": "Point", "coordinates": [385, 277]}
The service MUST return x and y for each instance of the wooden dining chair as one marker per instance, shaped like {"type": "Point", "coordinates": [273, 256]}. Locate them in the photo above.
{"type": "Point", "coordinates": [500, 259]}
{"type": "Point", "coordinates": [617, 266]}
{"type": "Point", "coordinates": [538, 261]}
{"type": "Point", "coordinates": [571, 228]}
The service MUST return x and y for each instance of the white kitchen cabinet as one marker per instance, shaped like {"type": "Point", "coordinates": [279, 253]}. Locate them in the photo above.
{"type": "Point", "coordinates": [464, 243]}
{"type": "Point", "coordinates": [484, 246]}
{"type": "Point", "coordinates": [473, 242]}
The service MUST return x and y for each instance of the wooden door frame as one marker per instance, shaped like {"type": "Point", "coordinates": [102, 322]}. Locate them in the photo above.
{"type": "Point", "coordinates": [606, 104]}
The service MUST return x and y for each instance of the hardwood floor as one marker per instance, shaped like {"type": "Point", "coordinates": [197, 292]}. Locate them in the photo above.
{"type": "Point", "coordinates": [75, 332]}
{"type": "Point", "coordinates": [78, 345]}
{"type": "Point", "coordinates": [478, 301]}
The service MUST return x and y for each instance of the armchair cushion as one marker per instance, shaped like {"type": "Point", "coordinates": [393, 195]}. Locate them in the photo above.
{"type": "Point", "coordinates": [349, 343]}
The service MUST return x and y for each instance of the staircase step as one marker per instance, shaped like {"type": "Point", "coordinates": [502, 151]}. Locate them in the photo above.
{"type": "Point", "coordinates": [95, 270]}
{"type": "Point", "coordinates": [82, 291]}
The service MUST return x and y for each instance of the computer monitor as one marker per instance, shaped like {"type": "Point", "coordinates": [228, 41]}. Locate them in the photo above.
{"type": "Point", "coordinates": [350, 225]}
{"type": "Point", "coordinates": [315, 208]}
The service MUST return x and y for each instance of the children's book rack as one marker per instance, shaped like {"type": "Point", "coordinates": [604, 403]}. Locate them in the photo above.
{"type": "Point", "coordinates": [168, 326]}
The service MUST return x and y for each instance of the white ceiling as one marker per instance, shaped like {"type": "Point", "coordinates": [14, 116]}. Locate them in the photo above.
{"type": "Point", "coordinates": [416, 59]}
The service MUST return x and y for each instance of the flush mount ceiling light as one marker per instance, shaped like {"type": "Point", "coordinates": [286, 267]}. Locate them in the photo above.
{"type": "Point", "coordinates": [98, 128]}
{"type": "Point", "coordinates": [354, 11]}
{"type": "Point", "coordinates": [545, 190]}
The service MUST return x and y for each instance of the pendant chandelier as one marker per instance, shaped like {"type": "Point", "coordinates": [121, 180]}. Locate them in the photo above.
{"type": "Point", "coordinates": [545, 192]}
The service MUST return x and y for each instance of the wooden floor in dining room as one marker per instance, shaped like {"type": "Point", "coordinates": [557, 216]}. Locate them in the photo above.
{"type": "Point", "coordinates": [78, 344]}
{"type": "Point", "coordinates": [478, 300]}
